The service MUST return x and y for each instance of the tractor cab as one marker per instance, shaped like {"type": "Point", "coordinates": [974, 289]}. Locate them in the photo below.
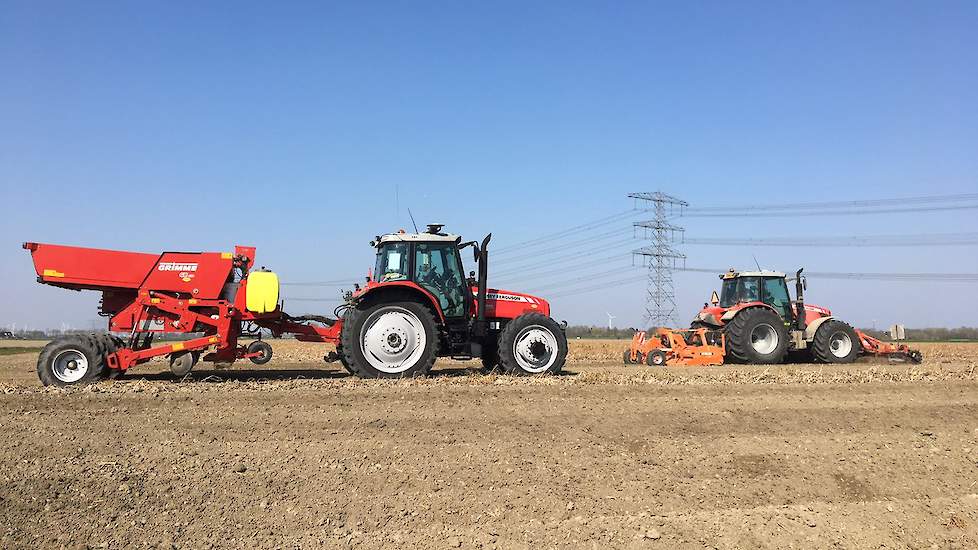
{"type": "Point", "coordinates": [430, 260]}
{"type": "Point", "coordinates": [768, 287]}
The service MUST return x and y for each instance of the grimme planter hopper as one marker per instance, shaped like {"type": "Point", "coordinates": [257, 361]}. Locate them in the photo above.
{"type": "Point", "coordinates": [755, 321]}
{"type": "Point", "coordinates": [415, 306]}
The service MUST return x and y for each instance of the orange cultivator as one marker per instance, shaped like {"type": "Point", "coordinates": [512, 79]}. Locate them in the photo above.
{"type": "Point", "coordinates": [691, 347]}
{"type": "Point", "coordinates": [893, 352]}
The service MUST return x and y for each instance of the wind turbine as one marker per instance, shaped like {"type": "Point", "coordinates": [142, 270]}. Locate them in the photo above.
{"type": "Point", "coordinates": [610, 318]}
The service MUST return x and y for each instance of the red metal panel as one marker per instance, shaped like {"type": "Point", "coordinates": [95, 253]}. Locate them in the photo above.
{"type": "Point", "coordinates": [506, 304]}
{"type": "Point", "coordinates": [90, 268]}
{"type": "Point", "coordinates": [198, 274]}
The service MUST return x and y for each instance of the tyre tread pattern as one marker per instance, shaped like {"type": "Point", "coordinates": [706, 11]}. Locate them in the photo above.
{"type": "Point", "coordinates": [821, 343]}
{"type": "Point", "coordinates": [507, 358]}
{"type": "Point", "coordinates": [737, 332]}
{"type": "Point", "coordinates": [350, 336]}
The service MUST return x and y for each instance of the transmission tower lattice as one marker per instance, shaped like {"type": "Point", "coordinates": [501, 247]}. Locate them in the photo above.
{"type": "Point", "coordinates": [661, 257]}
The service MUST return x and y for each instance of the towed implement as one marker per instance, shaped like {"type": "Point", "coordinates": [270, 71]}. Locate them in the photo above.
{"type": "Point", "coordinates": [670, 347]}
{"type": "Point", "coordinates": [413, 307]}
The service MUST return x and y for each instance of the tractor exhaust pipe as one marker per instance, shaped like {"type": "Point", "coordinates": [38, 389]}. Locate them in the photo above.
{"type": "Point", "coordinates": [480, 321]}
{"type": "Point", "coordinates": [800, 301]}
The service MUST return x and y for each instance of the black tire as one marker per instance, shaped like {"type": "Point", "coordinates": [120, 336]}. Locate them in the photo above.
{"type": "Point", "coordinates": [62, 360]}
{"type": "Point", "coordinates": [835, 342]}
{"type": "Point", "coordinates": [656, 358]}
{"type": "Point", "coordinates": [113, 344]}
{"type": "Point", "coordinates": [544, 360]}
{"type": "Point", "coordinates": [356, 320]}
{"type": "Point", "coordinates": [342, 359]}
{"type": "Point", "coordinates": [626, 357]}
{"type": "Point", "coordinates": [181, 362]}
{"type": "Point", "coordinates": [748, 322]}
{"type": "Point", "coordinates": [490, 354]}
{"type": "Point", "coordinates": [264, 348]}
{"type": "Point", "coordinates": [101, 350]}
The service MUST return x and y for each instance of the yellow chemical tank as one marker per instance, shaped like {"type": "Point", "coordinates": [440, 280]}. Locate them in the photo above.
{"type": "Point", "coordinates": [262, 294]}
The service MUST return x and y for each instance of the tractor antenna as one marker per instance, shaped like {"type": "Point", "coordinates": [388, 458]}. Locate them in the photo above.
{"type": "Point", "coordinates": [755, 262]}
{"type": "Point", "coordinates": [412, 221]}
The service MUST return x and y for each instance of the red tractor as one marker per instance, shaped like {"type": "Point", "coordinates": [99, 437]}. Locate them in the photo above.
{"type": "Point", "coordinates": [415, 306]}
{"type": "Point", "coordinates": [762, 324]}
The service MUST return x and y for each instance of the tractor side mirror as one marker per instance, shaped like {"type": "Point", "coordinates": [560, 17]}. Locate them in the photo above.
{"type": "Point", "coordinates": [715, 298]}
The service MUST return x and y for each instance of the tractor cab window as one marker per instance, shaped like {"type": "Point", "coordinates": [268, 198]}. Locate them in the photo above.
{"type": "Point", "coordinates": [776, 296]}
{"type": "Point", "coordinates": [392, 263]}
{"type": "Point", "coordinates": [740, 289]}
{"type": "Point", "coordinates": [437, 269]}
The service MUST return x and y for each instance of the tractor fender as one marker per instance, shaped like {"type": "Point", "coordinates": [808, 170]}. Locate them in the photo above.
{"type": "Point", "coordinates": [396, 290]}
{"type": "Point", "coordinates": [812, 328]}
{"type": "Point", "coordinates": [731, 313]}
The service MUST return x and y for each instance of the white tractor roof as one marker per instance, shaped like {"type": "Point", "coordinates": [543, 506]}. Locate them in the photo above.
{"type": "Point", "coordinates": [762, 273]}
{"type": "Point", "coordinates": [419, 237]}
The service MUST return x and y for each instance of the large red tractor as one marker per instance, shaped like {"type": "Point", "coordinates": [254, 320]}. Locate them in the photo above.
{"type": "Point", "coordinates": [416, 305]}
{"type": "Point", "coordinates": [762, 324]}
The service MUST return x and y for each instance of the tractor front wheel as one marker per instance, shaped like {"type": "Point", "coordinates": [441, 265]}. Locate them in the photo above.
{"type": "Point", "coordinates": [757, 336]}
{"type": "Point", "coordinates": [835, 342]}
{"type": "Point", "coordinates": [390, 340]}
{"type": "Point", "coordinates": [532, 344]}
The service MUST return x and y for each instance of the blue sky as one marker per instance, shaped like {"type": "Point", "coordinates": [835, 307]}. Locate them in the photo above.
{"type": "Point", "coordinates": [197, 126]}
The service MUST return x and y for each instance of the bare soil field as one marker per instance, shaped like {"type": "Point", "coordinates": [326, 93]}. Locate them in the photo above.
{"type": "Point", "coordinates": [296, 454]}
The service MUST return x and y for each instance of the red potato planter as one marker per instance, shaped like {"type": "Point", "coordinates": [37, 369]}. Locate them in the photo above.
{"type": "Point", "coordinates": [414, 307]}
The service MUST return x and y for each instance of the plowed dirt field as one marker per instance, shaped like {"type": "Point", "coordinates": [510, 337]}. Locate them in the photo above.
{"type": "Point", "coordinates": [296, 454]}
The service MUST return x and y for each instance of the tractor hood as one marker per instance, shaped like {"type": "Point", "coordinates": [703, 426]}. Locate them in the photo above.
{"type": "Point", "coordinates": [507, 304]}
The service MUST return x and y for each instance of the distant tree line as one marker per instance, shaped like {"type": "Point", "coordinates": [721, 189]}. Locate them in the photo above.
{"type": "Point", "coordinates": [930, 334]}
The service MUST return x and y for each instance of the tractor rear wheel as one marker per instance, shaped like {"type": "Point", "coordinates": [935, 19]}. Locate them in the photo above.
{"type": "Point", "coordinates": [835, 342]}
{"type": "Point", "coordinates": [756, 336]}
{"type": "Point", "coordinates": [390, 340]}
{"type": "Point", "coordinates": [69, 361]}
{"type": "Point", "coordinates": [342, 360]}
{"type": "Point", "coordinates": [532, 344]}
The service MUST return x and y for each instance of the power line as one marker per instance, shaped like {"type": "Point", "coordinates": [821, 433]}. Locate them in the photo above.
{"type": "Point", "coordinates": [524, 275]}
{"type": "Point", "coordinates": [937, 239]}
{"type": "Point", "coordinates": [581, 254]}
{"type": "Point", "coordinates": [579, 278]}
{"type": "Point", "coordinates": [562, 247]}
{"type": "Point", "coordinates": [570, 230]}
{"type": "Point", "coordinates": [772, 212]}
{"type": "Point", "coordinates": [866, 203]}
